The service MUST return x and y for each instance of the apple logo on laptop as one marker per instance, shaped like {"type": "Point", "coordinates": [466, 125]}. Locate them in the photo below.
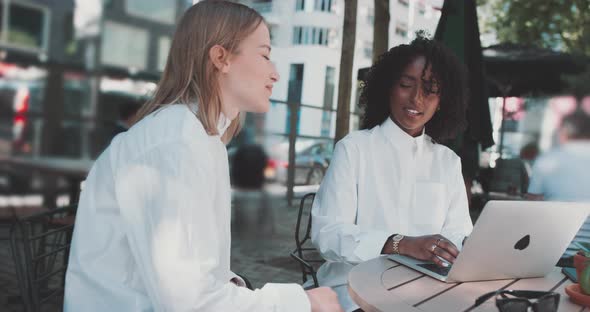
{"type": "Point", "coordinates": [523, 243]}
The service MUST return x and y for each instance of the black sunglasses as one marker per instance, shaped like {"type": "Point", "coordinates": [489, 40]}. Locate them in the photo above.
{"type": "Point", "coordinates": [545, 301]}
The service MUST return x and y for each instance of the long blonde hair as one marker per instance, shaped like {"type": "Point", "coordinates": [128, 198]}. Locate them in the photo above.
{"type": "Point", "coordinates": [189, 75]}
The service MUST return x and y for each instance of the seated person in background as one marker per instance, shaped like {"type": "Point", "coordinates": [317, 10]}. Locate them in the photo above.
{"type": "Point", "coordinates": [391, 188]}
{"type": "Point", "coordinates": [562, 174]}
{"type": "Point", "coordinates": [253, 215]}
{"type": "Point", "coordinates": [528, 154]}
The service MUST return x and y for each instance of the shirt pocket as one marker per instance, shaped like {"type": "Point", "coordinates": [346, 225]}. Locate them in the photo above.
{"type": "Point", "coordinates": [430, 208]}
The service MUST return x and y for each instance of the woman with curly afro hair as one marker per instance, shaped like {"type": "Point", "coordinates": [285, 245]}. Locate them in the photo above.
{"type": "Point", "coordinates": [391, 187]}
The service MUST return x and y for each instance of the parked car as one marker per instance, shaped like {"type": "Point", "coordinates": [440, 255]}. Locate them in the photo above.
{"type": "Point", "coordinates": [312, 158]}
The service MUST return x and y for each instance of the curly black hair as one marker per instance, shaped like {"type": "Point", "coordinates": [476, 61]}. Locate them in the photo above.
{"type": "Point", "coordinates": [447, 71]}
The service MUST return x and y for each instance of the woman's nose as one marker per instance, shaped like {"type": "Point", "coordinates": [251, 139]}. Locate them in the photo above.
{"type": "Point", "coordinates": [274, 75]}
{"type": "Point", "coordinates": [418, 95]}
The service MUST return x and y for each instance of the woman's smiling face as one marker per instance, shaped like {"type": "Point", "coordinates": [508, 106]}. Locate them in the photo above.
{"type": "Point", "coordinates": [414, 98]}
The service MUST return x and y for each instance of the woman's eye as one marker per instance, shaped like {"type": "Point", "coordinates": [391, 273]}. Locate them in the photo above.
{"type": "Point", "coordinates": [266, 57]}
{"type": "Point", "coordinates": [405, 85]}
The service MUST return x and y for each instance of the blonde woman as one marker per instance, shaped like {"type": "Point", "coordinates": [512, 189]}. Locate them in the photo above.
{"type": "Point", "coordinates": [153, 225]}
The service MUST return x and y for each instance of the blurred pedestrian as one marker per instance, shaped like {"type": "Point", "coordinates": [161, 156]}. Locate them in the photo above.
{"type": "Point", "coordinates": [248, 166]}
{"type": "Point", "coordinates": [562, 173]}
{"type": "Point", "coordinates": [558, 175]}
{"type": "Point", "coordinates": [253, 214]}
{"type": "Point", "coordinates": [153, 223]}
{"type": "Point", "coordinates": [528, 155]}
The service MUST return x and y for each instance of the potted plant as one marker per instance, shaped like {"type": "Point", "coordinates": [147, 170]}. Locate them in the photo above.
{"type": "Point", "coordinates": [581, 263]}
{"type": "Point", "coordinates": [582, 257]}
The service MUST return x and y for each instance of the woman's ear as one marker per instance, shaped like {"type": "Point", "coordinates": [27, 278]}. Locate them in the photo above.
{"type": "Point", "coordinates": [219, 56]}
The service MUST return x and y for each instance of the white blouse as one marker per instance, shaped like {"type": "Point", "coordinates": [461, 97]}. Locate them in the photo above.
{"type": "Point", "coordinates": [382, 182]}
{"type": "Point", "coordinates": [153, 226]}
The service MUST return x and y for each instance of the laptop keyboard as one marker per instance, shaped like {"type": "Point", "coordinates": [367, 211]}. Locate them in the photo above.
{"type": "Point", "coordinates": [435, 268]}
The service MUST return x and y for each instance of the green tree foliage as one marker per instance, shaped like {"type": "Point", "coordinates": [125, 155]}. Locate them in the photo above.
{"type": "Point", "coordinates": [562, 25]}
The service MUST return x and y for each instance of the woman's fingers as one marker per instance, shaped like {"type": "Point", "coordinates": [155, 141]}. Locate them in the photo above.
{"type": "Point", "coordinates": [430, 248]}
{"type": "Point", "coordinates": [444, 254]}
{"type": "Point", "coordinates": [447, 245]}
{"type": "Point", "coordinates": [438, 261]}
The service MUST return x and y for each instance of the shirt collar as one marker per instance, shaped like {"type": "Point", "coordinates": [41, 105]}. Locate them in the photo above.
{"type": "Point", "coordinates": [222, 123]}
{"type": "Point", "coordinates": [397, 136]}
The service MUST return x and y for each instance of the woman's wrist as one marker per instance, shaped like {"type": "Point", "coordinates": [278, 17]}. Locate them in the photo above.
{"type": "Point", "coordinates": [387, 247]}
{"type": "Point", "coordinates": [403, 245]}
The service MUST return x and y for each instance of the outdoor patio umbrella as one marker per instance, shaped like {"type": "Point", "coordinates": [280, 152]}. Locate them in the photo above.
{"type": "Point", "coordinates": [458, 30]}
{"type": "Point", "coordinates": [519, 70]}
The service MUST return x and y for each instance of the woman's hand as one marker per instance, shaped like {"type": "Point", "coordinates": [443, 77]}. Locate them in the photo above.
{"type": "Point", "coordinates": [429, 248]}
{"type": "Point", "coordinates": [323, 299]}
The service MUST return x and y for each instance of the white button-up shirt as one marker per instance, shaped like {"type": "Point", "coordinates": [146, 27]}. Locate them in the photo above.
{"type": "Point", "coordinates": [153, 226]}
{"type": "Point", "coordinates": [381, 182]}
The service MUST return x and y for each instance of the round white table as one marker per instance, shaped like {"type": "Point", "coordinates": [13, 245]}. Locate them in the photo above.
{"type": "Point", "coordinates": [381, 284]}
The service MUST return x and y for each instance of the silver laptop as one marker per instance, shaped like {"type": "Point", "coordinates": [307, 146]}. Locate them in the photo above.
{"type": "Point", "coordinates": [511, 239]}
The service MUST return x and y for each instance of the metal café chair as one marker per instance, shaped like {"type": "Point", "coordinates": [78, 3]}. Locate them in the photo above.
{"type": "Point", "coordinates": [40, 245]}
{"type": "Point", "coordinates": [305, 254]}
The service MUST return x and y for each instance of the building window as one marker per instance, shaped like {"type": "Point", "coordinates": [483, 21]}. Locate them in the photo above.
{"type": "Point", "coordinates": [300, 5]}
{"type": "Point", "coordinates": [318, 5]}
{"type": "Point", "coordinates": [124, 45]}
{"type": "Point", "coordinates": [323, 5]}
{"type": "Point", "coordinates": [421, 8]}
{"type": "Point", "coordinates": [24, 26]}
{"type": "Point", "coordinates": [296, 35]}
{"type": "Point", "coordinates": [404, 2]}
{"type": "Point", "coordinates": [163, 11]}
{"type": "Point", "coordinates": [306, 32]}
{"type": "Point", "coordinates": [262, 6]}
{"type": "Point", "coordinates": [312, 36]}
{"type": "Point", "coordinates": [294, 93]}
{"type": "Point", "coordinates": [163, 49]}
{"type": "Point", "coordinates": [273, 38]}
{"type": "Point", "coordinates": [401, 30]}
{"type": "Point", "coordinates": [329, 87]}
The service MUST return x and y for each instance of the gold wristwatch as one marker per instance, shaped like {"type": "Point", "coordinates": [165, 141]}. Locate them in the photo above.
{"type": "Point", "coordinates": [396, 239]}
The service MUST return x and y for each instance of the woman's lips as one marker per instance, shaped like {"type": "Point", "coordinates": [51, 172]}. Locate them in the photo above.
{"type": "Point", "coordinates": [412, 112]}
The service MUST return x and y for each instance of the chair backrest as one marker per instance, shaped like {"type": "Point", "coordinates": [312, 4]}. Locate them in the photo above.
{"type": "Point", "coordinates": [303, 226]}
{"type": "Point", "coordinates": [40, 246]}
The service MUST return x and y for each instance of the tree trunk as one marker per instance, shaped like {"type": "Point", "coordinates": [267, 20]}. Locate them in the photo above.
{"type": "Point", "coordinates": [380, 28]}
{"type": "Point", "coordinates": [346, 60]}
